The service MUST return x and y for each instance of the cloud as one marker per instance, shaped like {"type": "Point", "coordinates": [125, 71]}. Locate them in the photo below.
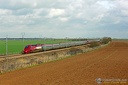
{"type": "Point", "coordinates": [55, 12]}
{"type": "Point", "coordinates": [106, 4]}
{"type": "Point", "coordinates": [63, 19]}
{"type": "Point", "coordinates": [5, 12]}
{"type": "Point", "coordinates": [71, 17]}
{"type": "Point", "coordinates": [122, 4]}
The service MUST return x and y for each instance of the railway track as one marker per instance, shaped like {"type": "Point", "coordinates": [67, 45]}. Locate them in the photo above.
{"type": "Point", "coordinates": [34, 54]}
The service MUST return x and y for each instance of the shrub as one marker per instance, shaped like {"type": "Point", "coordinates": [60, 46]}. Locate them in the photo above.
{"type": "Point", "coordinates": [106, 40]}
{"type": "Point", "coordinates": [94, 44]}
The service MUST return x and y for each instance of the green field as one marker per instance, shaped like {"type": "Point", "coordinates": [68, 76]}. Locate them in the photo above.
{"type": "Point", "coordinates": [17, 46]}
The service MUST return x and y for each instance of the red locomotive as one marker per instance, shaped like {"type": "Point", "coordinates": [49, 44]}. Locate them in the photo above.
{"type": "Point", "coordinates": [32, 48]}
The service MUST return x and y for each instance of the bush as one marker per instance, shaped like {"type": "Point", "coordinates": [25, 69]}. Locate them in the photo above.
{"type": "Point", "coordinates": [106, 40]}
{"type": "Point", "coordinates": [94, 44]}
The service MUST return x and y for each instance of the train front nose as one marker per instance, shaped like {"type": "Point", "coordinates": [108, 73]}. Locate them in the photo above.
{"type": "Point", "coordinates": [25, 51]}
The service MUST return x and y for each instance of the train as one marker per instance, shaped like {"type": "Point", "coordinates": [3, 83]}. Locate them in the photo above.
{"type": "Point", "coordinates": [44, 47]}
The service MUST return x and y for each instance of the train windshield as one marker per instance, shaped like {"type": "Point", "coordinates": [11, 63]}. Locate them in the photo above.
{"type": "Point", "coordinates": [26, 46]}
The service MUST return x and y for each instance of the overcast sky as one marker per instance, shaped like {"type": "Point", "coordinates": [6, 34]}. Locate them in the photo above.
{"type": "Point", "coordinates": [64, 18]}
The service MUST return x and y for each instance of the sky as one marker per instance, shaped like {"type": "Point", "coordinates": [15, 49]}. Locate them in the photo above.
{"type": "Point", "coordinates": [64, 18]}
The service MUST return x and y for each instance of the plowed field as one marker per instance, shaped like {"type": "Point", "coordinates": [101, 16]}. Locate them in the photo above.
{"type": "Point", "coordinates": [110, 62]}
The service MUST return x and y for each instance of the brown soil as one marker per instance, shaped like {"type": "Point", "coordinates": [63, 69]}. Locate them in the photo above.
{"type": "Point", "coordinates": [110, 62]}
